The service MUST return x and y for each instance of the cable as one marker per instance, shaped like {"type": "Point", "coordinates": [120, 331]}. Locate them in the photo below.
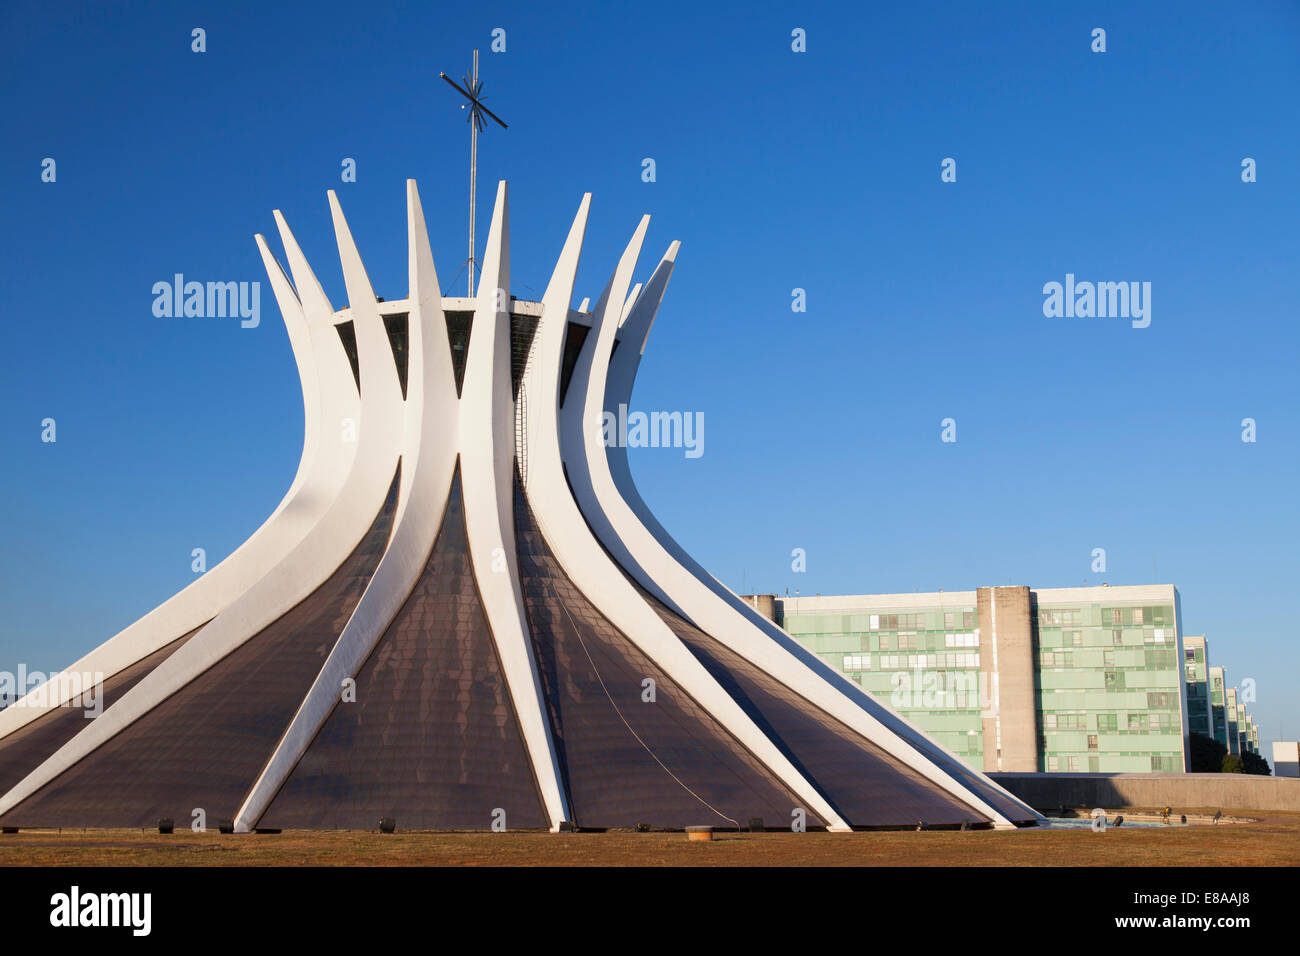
{"type": "Point", "coordinates": [646, 747]}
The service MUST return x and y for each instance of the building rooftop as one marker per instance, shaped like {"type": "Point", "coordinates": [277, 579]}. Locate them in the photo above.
{"type": "Point", "coordinates": [966, 599]}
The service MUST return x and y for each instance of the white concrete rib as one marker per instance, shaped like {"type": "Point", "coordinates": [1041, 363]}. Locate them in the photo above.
{"type": "Point", "coordinates": [428, 455]}
{"type": "Point", "coordinates": [487, 443]}
{"type": "Point", "coordinates": [332, 537]}
{"type": "Point", "coordinates": [628, 528]}
{"type": "Point", "coordinates": [569, 538]}
{"type": "Point", "coordinates": [328, 393]}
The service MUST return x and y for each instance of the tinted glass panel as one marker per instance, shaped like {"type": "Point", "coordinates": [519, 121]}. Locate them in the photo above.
{"type": "Point", "coordinates": [459, 325]}
{"type": "Point", "coordinates": [399, 339]}
{"type": "Point", "coordinates": [26, 748]}
{"type": "Point", "coordinates": [522, 329]}
{"type": "Point", "coordinates": [577, 335]}
{"type": "Point", "coordinates": [348, 336]}
{"type": "Point", "coordinates": [431, 739]}
{"type": "Point", "coordinates": [625, 760]}
{"type": "Point", "coordinates": [204, 746]}
{"type": "Point", "coordinates": [866, 785]}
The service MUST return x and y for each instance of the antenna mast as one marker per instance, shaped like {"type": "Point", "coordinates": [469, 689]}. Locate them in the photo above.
{"type": "Point", "coordinates": [472, 91]}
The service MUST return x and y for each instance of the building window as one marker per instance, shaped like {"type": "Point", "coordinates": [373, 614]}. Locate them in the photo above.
{"type": "Point", "coordinates": [1059, 617]}
{"type": "Point", "coordinates": [1092, 741]}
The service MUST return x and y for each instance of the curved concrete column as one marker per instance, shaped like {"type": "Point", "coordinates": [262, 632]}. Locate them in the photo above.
{"type": "Point", "coordinates": [629, 529]}
{"type": "Point", "coordinates": [329, 395]}
{"type": "Point", "coordinates": [331, 538]}
{"type": "Point", "coordinates": [429, 441]}
{"type": "Point", "coordinates": [487, 430]}
{"type": "Point", "coordinates": [578, 552]}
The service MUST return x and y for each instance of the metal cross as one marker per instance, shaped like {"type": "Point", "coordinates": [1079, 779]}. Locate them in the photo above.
{"type": "Point", "coordinates": [472, 92]}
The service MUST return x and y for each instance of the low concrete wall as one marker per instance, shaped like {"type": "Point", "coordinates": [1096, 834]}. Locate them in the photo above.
{"type": "Point", "coordinates": [1230, 791]}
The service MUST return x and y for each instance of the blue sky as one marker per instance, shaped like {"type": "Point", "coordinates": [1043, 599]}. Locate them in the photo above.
{"type": "Point", "coordinates": [777, 170]}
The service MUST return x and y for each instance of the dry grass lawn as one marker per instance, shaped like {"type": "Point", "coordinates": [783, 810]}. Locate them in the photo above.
{"type": "Point", "coordinates": [1274, 840]}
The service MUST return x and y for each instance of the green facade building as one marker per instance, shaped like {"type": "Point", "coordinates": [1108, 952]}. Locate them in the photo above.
{"type": "Point", "coordinates": [1234, 721]}
{"type": "Point", "coordinates": [1014, 679]}
{"type": "Point", "coordinates": [1219, 704]}
{"type": "Point", "coordinates": [1196, 673]}
{"type": "Point", "coordinates": [1018, 679]}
